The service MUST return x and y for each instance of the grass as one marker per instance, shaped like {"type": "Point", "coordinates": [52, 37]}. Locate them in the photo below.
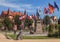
{"type": "Point", "coordinates": [35, 37]}
{"type": "Point", "coordinates": [28, 37]}
{"type": "Point", "coordinates": [32, 37]}
{"type": "Point", "coordinates": [12, 36]}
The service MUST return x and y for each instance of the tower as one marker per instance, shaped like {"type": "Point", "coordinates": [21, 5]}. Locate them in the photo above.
{"type": "Point", "coordinates": [8, 11]}
{"type": "Point", "coordinates": [37, 14]}
{"type": "Point", "coordinates": [38, 22]}
{"type": "Point", "coordinates": [25, 12]}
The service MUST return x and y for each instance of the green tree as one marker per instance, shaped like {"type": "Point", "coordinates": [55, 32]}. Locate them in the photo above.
{"type": "Point", "coordinates": [18, 23]}
{"type": "Point", "coordinates": [7, 23]}
{"type": "Point", "coordinates": [59, 29]}
{"type": "Point", "coordinates": [29, 24]}
{"type": "Point", "coordinates": [50, 30]}
{"type": "Point", "coordinates": [53, 30]}
{"type": "Point", "coordinates": [59, 25]}
{"type": "Point", "coordinates": [46, 20]}
{"type": "Point", "coordinates": [1, 25]}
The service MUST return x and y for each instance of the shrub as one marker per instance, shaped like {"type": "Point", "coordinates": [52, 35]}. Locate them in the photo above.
{"type": "Point", "coordinates": [51, 30]}
{"type": "Point", "coordinates": [7, 23]}
{"type": "Point", "coordinates": [1, 25]}
{"type": "Point", "coordinates": [59, 29]}
{"type": "Point", "coordinates": [54, 30]}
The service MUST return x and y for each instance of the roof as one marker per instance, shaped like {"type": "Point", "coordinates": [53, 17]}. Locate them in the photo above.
{"type": "Point", "coordinates": [12, 13]}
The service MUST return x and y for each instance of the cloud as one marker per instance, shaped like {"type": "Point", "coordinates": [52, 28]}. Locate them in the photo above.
{"type": "Point", "coordinates": [9, 5]}
{"type": "Point", "coordinates": [2, 0]}
{"type": "Point", "coordinates": [20, 6]}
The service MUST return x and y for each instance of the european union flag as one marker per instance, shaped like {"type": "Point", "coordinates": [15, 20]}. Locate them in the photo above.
{"type": "Point", "coordinates": [56, 6]}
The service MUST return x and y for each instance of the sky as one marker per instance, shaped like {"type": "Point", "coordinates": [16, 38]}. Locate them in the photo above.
{"type": "Point", "coordinates": [29, 5]}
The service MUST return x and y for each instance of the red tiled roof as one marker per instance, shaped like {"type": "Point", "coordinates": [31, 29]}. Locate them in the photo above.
{"type": "Point", "coordinates": [12, 13]}
{"type": "Point", "coordinates": [4, 12]}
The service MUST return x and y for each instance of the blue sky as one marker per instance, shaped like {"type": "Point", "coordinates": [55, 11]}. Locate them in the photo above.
{"type": "Point", "coordinates": [29, 5]}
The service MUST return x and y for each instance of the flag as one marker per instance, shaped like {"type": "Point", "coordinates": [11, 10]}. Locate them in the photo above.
{"type": "Point", "coordinates": [51, 8]}
{"type": "Point", "coordinates": [33, 16]}
{"type": "Point", "coordinates": [45, 11]}
{"type": "Point", "coordinates": [39, 11]}
{"type": "Point", "coordinates": [56, 6]}
{"type": "Point", "coordinates": [20, 18]}
{"type": "Point", "coordinates": [29, 17]}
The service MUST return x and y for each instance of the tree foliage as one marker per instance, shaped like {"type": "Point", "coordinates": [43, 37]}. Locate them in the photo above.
{"type": "Point", "coordinates": [7, 23]}
{"type": "Point", "coordinates": [16, 20]}
{"type": "Point", "coordinates": [46, 20]}
{"type": "Point", "coordinates": [29, 22]}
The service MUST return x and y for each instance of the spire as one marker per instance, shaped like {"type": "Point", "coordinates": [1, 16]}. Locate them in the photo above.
{"type": "Point", "coordinates": [37, 14]}
{"type": "Point", "coordinates": [8, 10]}
{"type": "Point", "coordinates": [25, 12]}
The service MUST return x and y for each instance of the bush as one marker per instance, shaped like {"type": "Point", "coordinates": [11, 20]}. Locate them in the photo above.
{"type": "Point", "coordinates": [7, 23]}
{"type": "Point", "coordinates": [1, 25]}
{"type": "Point", "coordinates": [51, 30]}
{"type": "Point", "coordinates": [50, 34]}
{"type": "Point", "coordinates": [59, 29]}
{"type": "Point", "coordinates": [54, 31]}
{"type": "Point", "coordinates": [55, 34]}
{"type": "Point", "coordinates": [17, 21]}
{"type": "Point", "coordinates": [29, 22]}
